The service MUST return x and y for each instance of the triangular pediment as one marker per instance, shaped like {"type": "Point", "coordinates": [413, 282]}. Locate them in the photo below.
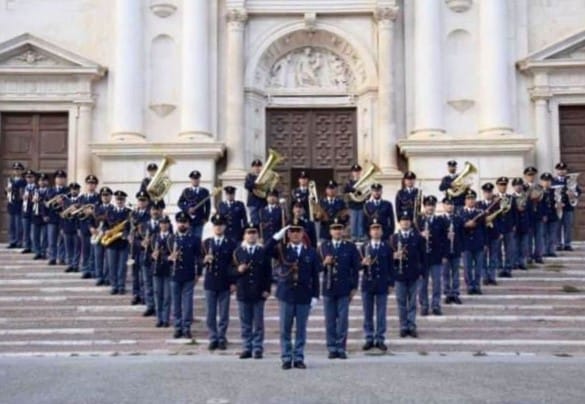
{"type": "Point", "coordinates": [28, 52]}
{"type": "Point", "coordinates": [568, 51]}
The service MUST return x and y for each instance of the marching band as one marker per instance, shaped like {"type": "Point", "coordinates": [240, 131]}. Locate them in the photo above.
{"type": "Point", "coordinates": [331, 246]}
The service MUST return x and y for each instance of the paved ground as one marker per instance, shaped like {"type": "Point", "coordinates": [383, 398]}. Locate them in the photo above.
{"type": "Point", "coordinates": [44, 311]}
{"type": "Point", "coordinates": [404, 378]}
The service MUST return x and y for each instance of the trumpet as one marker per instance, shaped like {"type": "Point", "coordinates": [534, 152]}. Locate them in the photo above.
{"type": "Point", "coordinates": [451, 236]}
{"type": "Point", "coordinates": [331, 268]}
{"type": "Point", "coordinates": [36, 205]}
{"type": "Point", "coordinates": [175, 255]}
{"type": "Point", "coordinates": [417, 203]}
{"type": "Point", "coordinates": [428, 237]}
{"type": "Point", "coordinates": [400, 249]}
{"type": "Point", "coordinates": [8, 189]}
{"type": "Point", "coordinates": [83, 212]}
{"type": "Point", "coordinates": [368, 258]}
{"type": "Point", "coordinates": [68, 212]}
{"type": "Point", "coordinates": [55, 202]}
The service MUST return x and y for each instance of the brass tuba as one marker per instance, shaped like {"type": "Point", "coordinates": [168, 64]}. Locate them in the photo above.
{"type": "Point", "coordinates": [361, 188]}
{"type": "Point", "coordinates": [268, 178]}
{"type": "Point", "coordinates": [462, 181]}
{"type": "Point", "coordinates": [572, 183]}
{"type": "Point", "coordinates": [160, 184]}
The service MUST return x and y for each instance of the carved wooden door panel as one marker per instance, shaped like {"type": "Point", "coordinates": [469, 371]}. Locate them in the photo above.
{"type": "Point", "coordinates": [38, 141]}
{"type": "Point", "coordinates": [572, 130]}
{"type": "Point", "coordinates": [312, 139]}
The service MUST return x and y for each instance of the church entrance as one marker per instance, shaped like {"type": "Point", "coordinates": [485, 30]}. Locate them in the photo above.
{"type": "Point", "coordinates": [319, 141]}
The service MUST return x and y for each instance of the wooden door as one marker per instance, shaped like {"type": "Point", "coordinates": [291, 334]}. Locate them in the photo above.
{"type": "Point", "coordinates": [319, 141]}
{"type": "Point", "coordinates": [572, 130]}
{"type": "Point", "coordinates": [38, 141]}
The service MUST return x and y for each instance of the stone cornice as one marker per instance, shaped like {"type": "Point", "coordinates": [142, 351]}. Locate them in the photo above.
{"type": "Point", "coordinates": [213, 150]}
{"type": "Point", "coordinates": [475, 144]}
{"type": "Point", "coordinates": [386, 14]}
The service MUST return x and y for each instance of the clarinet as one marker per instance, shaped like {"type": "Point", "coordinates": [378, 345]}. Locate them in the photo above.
{"type": "Point", "coordinates": [399, 249]}
{"type": "Point", "coordinates": [427, 230]}
{"type": "Point", "coordinates": [452, 238]}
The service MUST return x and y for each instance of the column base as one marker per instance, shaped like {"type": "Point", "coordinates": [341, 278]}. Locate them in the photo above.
{"type": "Point", "coordinates": [427, 133]}
{"type": "Point", "coordinates": [495, 132]}
{"type": "Point", "coordinates": [196, 136]}
{"type": "Point", "coordinates": [128, 137]}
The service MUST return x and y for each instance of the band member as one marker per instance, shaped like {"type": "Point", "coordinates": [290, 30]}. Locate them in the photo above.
{"type": "Point", "coordinates": [40, 217]}
{"type": "Point", "coordinates": [409, 253]}
{"type": "Point", "coordinates": [434, 231]}
{"type": "Point", "coordinates": [27, 208]}
{"type": "Point", "coordinates": [407, 196]}
{"type": "Point", "coordinates": [14, 191]}
{"type": "Point", "coordinates": [341, 265]}
{"type": "Point", "coordinates": [297, 291]}
{"type": "Point", "coordinates": [536, 228]}
{"type": "Point", "coordinates": [523, 217]}
{"type": "Point", "coordinates": [474, 243]}
{"type": "Point", "coordinates": [270, 216]}
{"type": "Point", "coordinates": [299, 213]}
{"type": "Point", "coordinates": [506, 227]}
{"type": "Point", "coordinates": [234, 213]}
{"type": "Point", "coordinates": [138, 225]}
{"type": "Point", "coordinates": [184, 258]}
{"type": "Point", "coordinates": [446, 182]}
{"type": "Point", "coordinates": [334, 207]}
{"type": "Point", "coordinates": [301, 194]}
{"type": "Point", "coordinates": [90, 197]}
{"type": "Point", "coordinates": [530, 177]}
{"type": "Point", "coordinates": [151, 169]}
{"type": "Point", "coordinates": [381, 210]}
{"type": "Point", "coordinates": [253, 277]}
{"type": "Point", "coordinates": [69, 228]}
{"type": "Point", "coordinates": [55, 243]}
{"type": "Point", "coordinates": [489, 204]}
{"type": "Point", "coordinates": [550, 218]}
{"type": "Point", "coordinates": [254, 203]}
{"type": "Point", "coordinates": [102, 272]}
{"type": "Point", "coordinates": [151, 229]}
{"type": "Point", "coordinates": [195, 201]}
{"type": "Point", "coordinates": [570, 197]}
{"type": "Point", "coordinates": [217, 256]}
{"type": "Point", "coordinates": [117, 251]}
{"type": "Point", "coordinates": [162, 246]}
{"type": "Point", "coordinates": [357, 224]}
{"type": "Point", "coordinates": [453, 252]}
{"type": "Point", "coordinates": [377, 279]}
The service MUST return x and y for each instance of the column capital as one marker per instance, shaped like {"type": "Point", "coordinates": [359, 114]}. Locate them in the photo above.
{"type": "Point", "coordinates": [540, 94]}
{"type": "Point", "coordinates": [237, 16]}
{"type": "Point", "coordinates": [386, 14]}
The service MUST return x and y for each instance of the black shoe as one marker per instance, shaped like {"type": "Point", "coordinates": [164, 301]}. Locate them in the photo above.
{"type": "Point", "coordinates": [300, 365]}
{"type": "Point", "coordinates": [332, 355]}
{"type": "Point", "coordinates": [286, 365]}
{"type": "Point", "coordinates": [69, 269]}
{"type": "Point", "coordinates": [424, 312]}
{"type": "Point", "coordinates": [100, 283]}
{"type": "Point", "coordinates": [37, 257]}
{"type": "Point", "coordinates": [493, 282]}
{"type": "Point", "coordinates": [86, 275]}
{"type": "Point", "coordinates": [166, 324]}
{"type": "Point", "coordinates": [222, 345]}
{"type": "Point", "coordinates": [471, 292]}
{"type": "Point", "coordinates": [486, 282]}
{"type": "Point", "coordinates": [560, 248]}
{"type": "Point", "coordinates": [479, 292]}
{"type": "Point", "coordinates": [26, 251]}
{"type": "Point", "coordinates": [178, 334]}
{"type": "Point", "coordinates": [107, 282]}
{"type": "Point", "coordinates": [62, 263]}
{"type": "Point", "coordinates": [368, 345]}
{"type": "Point", "coordinates": [12, 245]}
{"type": "Point", "coordinates": [448, 300]}
{"type": "Point", "coordinates": [246, 355]}
{"type": "Point", "coordinates": [381, 346]}
{"type": "Point", "coordinates": [159, 324]}
{"type": "Point", "coordinates": [413, 333]}
{"type": "Point", "coordinates": [187, 334]}
{"type": "Point", "coordinates": [212, 346]}
{"type": "Point", "coordinates": [342, 355]}
{"type": "Point", "coordinates": [552, 255]}
{"type": "Point", "coordinates": [437, 312]}
{"type": "Point", "coordinates": [122, 292]}
{"type": "Point", "coordinates": [522, 267]}
{"type": "Point", "coordinates": [135, 301]}
{"type": "Point", "coordinates": [114, 292]}
{"type": "Point", "coordinates": [456, 300]}
{"type": "Point", "coordinates": [504, 274]}
{"type": "Point", "coordinates": [403, 333]}
{"type": "Point", "coordinates": [258, 355]}
{"type": "Point", "coordinates": [52, 262]}
{"type": "Point", "coordinates": [539, 261]}
{"type": "Point", "coordinates": [568, 248]}
{"type": "Point", "coordinates": [149, 312]}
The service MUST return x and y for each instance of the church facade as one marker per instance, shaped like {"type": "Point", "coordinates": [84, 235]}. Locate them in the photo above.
{"type": "Point", "coordinates": [105, 87]}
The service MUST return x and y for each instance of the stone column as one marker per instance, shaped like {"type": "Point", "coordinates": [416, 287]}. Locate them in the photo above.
{"type": "Point", "coordinates": [540, 96]}
{"type": "Point", "coordinates": [495, 102]}
{"type": "Point", "coordinates": [387, 138]}
{"type": "Point", "coordinates": [235, 136]}
{"type": "Point", "coordinates": [195, 94]}
{"type": "Point", "coordinates": [127, 71]}
{"type": "Point", "coordinates": [84, 138]}
{"type": "Point", "coordinates": [428, 75]}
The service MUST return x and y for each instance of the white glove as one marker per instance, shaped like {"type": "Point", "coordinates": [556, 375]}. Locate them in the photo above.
{"type": "Point", "coordinates": [314, 302]}
{"type": "Point", "coordinates": [280, 235]}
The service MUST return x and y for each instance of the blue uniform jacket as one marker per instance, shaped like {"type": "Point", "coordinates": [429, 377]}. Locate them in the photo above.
{"type": "Point", "coordinates": [191, 197]}
{"type": "Point", "coordinates": [411, 267]}
{"type": "Point", "coordinates": [474, 239]}
{"type": "Point", "coordinates": [115, 216]}
{"type": "Point", "coordinates": [164, 244]}
{"type": "Point", "coordinates": [43, 212]}
{"type": "Point", "coordinates": [219, 273]}
{"type": "Point", "coordinates": [436, 246]}
{"type": "Point", "coordinates": [53, 214]}
{"type": "Point", "coordinates": [302, 196]}
{"type": "Point", "coordinates": [69, 226]}
{"type": "Point", "coordinates": [236, 218]}
{"type": "Point", "coordinates": [405, 201]}
{"type": "Point", "coordinates": [18, 184]}
{"type": "Point", "coordinates": [257, 279]}
{"type": "Point", "coordinates": [298, 276]}
{"type": "Point", "coordinates": [189, 247]}
{"type": "Point", "coordinates": [383, 212]}
{"type": "Point", "coordinates": [270, 221]}
{"type": "Point", "coordinates": [253, 200]}
{"type": "Point", "coordinates": [344, 275]}
{"type": "Point", "coordinates": [446, 184]}
{"type": "Point", "coordinates": [333, 208]}
{"type": "Point", "coordinates": [85, 199]}
{"type": "Point", "coordinates": [28, 192]}
{"type": "Point", "coordinates": [455, 247]}
{"type": "Point", "coordinates": [349, 187]}
{"type": "Point", "coordinates": [378, 277]}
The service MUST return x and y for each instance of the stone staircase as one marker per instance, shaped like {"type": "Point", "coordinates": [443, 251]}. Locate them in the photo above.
{"type": "Point", "coordinates": [44, 311]}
